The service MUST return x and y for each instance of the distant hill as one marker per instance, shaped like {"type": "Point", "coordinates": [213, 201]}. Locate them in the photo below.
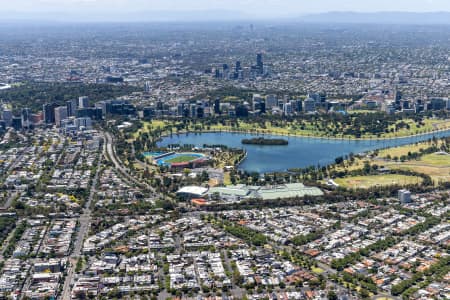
{"type": "Point", "coordinates": [126, 16]}
{"type": "Point", "coordinates": [380, 18]}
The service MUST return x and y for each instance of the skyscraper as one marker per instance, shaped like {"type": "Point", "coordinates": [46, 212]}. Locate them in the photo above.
{"type": "Point", "coordinates": [16, 123]}
{"type": "Point", "coordinates": [225, 71]}
{"type": "Point", "coordinates": [238, 67]}
{"type": "Point", "coordinates": [271, 101]}
{"type": "Point", "coordinates": [83, 123]}
{"type": "Point", "coordinates": [309, 105]}
{"type": "Point", "coordinates": [217, 106]}
{"type": "Point", "coordinates": [25, 115]}
{"type": "Point", "coordinates": [287, 109]}
{"type": "Point", "coordinates": [7, 116]}
{"type": "Point", "coordinates": [72, 106]}
{"type": "Point", "coordinates": [147, 87]}
{"type": "Point", "coordinates": [237, 70]}
{"type": "Point", "coordinates": [259, 63]}
{"type": "Point", "coordinates": [83, 102]}
{"type": "Point", "coordinates": [49, 113]}
{"type": "Point", "coordinates": [60, 114]}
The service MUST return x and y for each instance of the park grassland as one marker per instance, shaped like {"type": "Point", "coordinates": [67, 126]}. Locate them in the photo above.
{"type": "Point", "coordinates": [149, 126]}
{"type": "Point", "coordinates": [435, 165]}
{"type": "Point", "coordinates": [369, 181]}
{"type": "Point", "coordinates": [305, 129]}
{"type": "Point", "coordinates": [436, 160]}
{"type": "Point", "coordinates": [402, 150]}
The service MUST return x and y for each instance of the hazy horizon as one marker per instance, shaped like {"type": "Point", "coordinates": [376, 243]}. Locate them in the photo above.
{"type": "Point", "coordinates": [167, 10]}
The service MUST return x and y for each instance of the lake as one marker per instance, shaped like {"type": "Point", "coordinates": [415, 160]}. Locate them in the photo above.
{"type": "Point", "coordinates": [301, 151]}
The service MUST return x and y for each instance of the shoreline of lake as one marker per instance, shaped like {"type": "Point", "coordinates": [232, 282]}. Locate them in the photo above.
{"type": "Point", "coordinates": [300, 153]}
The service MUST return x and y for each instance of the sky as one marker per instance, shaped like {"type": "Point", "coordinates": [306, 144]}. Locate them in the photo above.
{"type": "Point", "coordinates": [124, 9]}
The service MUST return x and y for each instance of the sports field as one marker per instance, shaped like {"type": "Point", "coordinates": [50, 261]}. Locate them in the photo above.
{"type": "Point", "coordinates": [176, 158]}
{"type": "Point", "coordinates": [181, 159]}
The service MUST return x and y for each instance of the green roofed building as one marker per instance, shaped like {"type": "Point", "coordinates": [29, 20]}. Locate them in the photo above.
{"type": "Point", "coordinates": [241, 192]}
{"type": "Point", "coordinates": [289, 190]}
{"type": "Point", "coordinates": [232, 192]}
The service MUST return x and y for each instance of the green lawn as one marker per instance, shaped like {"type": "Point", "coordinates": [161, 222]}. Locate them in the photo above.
{"type": "Point", "coordinates": [439, 160]}
{"type": "Point", "coordinates": [377, 180]}
{"type": "Point", "coordinates": [149, 126]}
{"type": "Point", "coordinates": [403, 150]}
{"type": "Point", "coordinates": [317, 270]}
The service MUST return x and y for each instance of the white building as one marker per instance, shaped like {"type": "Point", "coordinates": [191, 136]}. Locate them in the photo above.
{"type": "Point", "coordinates": [60, 114]}
{"type": "Point", "coordinates": [404, 196]}
{"type": "Point", "coordinates": [83, 102]}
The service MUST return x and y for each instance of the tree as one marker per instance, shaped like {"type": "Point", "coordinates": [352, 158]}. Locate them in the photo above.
{"type": "Point", "coordinates": [332, 295]}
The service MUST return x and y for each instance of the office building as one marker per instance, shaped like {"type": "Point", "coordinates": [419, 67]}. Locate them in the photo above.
{"type": "Point", "coordinates": [437, 104]}
{"type": "Point", "coordinates": [271, 101]}
{"type": "Point", "coordinates": [309, 105]}
{"type": "Point", "coordinates": [25, 115]}
{"type": "Point", "coordinates": [72, 106]}
{"type": "Point", "coordinates": [123, 107]}
{"type": "Point", "coordinates": [60, 114]}
{"type": "Point", "coordinates": [95, 113]}
{"type": "Point", "coordinates": [147, 87]}
{"type": "Point", "coordinates": [225, 71]}
{"type": "Point", "coordinates": [447, 103]}
{"type": "Point", "coordinates": [237, 70]}
{"type": "Point", "coordinates": [287, 109]}
{"type": "Point", "coordinates": [83, 123]}
{"type": "Point", "coordinates": [390, 109]}
{"type": "Point", "coordinates": [217, 106]}
{"type": "Point", "coordinates": [298, 105]}
{"type": "Point", "coordinates": [36, 118]}
{"type": "Point", "coordinates": [404, 196]}
{"type": "Point", "coordinates": [49, 113]}
{"type": "Point", "coordinates": [101, 105]}
{"type": "Point", "coordinates": [241, 111]}
{"type": "Point", "coordinates": [83, 102]}
{"type": "Point", "coordinates": [16, 123]}
{"type": "Point", "coordinates": [7, 116]}
{"type": "Point", "coordinates": [257, 102]}
{"type": "Point", "coordinates": [148, 113]}
{"type": "Point", "coordinates": [259, 63]}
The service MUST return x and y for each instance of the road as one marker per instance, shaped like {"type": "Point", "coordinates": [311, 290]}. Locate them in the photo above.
{"type": "Point", "coordinates": [10, 200]}
{"type": "Point", "coordinates": [6, 241]}
{"type": "Point", "coordinates": [118, 164]}
{"type": "Point", "coordinates": [84, 223]}
{"type": "Point", "coordinates": [109, 144]}
{"type": "Point", "coordinates": [235, 290]}
{"type": "Point", "coordinates": [14, 164]}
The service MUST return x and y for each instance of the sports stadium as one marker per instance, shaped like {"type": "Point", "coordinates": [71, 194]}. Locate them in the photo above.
{"type": "Point", "coordinates": [178, 160]}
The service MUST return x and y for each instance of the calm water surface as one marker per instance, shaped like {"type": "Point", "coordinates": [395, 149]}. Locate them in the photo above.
{"type": "Point", "coordinates": [301, 151]}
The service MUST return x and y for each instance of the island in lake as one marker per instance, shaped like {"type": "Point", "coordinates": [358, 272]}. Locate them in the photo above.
{"type": "Point", "coordinates": [265, 142]}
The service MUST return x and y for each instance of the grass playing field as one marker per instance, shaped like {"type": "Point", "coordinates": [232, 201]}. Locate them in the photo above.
{"type": "Point", "coordinates": [377, 180]}
{"type": "Point", "coordinates": [181, 159]}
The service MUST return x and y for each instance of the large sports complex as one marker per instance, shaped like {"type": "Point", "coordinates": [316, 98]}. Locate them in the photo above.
{"type": "Point", "coordinates": [236, 193]}
{"type": "Point", "coordinates": [177, 159]}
